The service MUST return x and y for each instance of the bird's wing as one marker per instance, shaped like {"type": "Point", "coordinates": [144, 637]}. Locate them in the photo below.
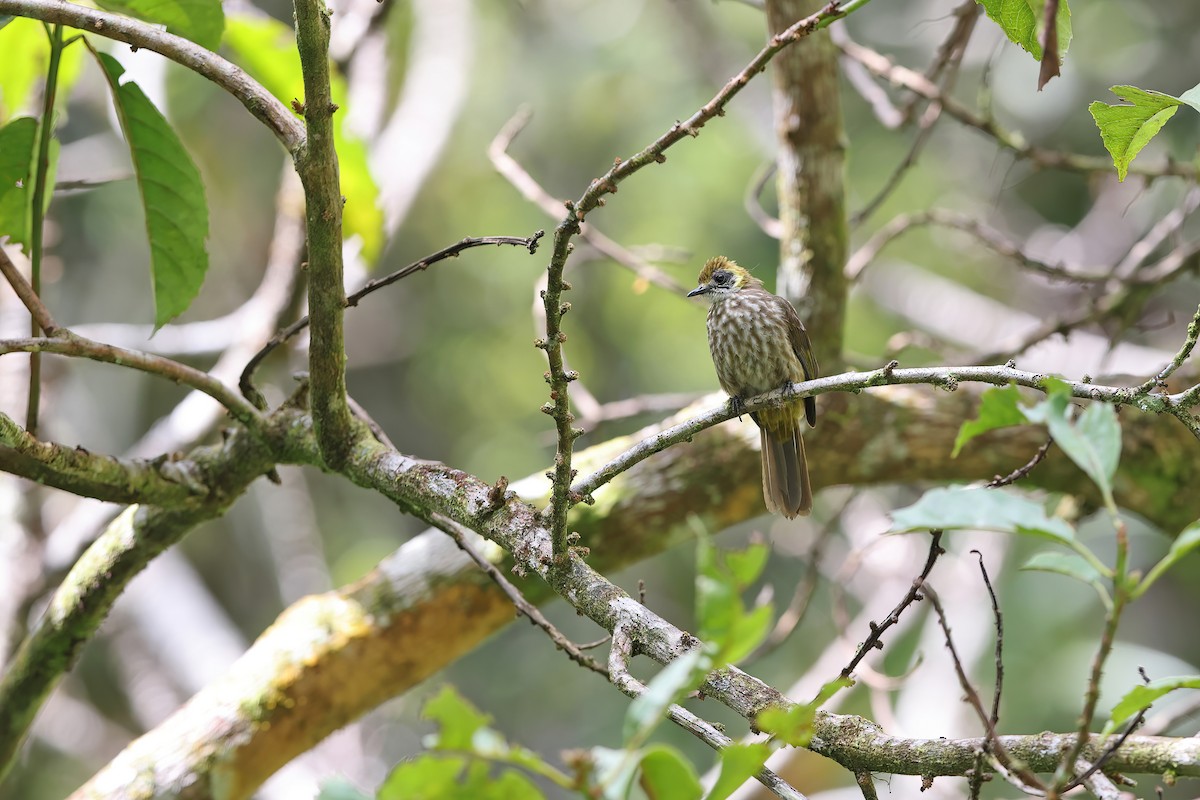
{"type": "Point", "coordinates": [802, 347]}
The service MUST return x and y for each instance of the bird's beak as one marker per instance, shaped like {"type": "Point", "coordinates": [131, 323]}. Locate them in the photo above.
{"type": "Point", "coordinates": [699, 290]}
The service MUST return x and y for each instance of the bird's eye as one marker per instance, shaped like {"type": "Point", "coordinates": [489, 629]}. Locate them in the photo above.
{"type": "Point", "coordinates": [722, 278]}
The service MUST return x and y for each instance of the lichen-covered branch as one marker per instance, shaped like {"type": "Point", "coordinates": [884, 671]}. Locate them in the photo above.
{"type": "Point", "coordinates": [161, 481]}
{"type": "Point", "coordinates": [317, 165]}
{"type": "Point", "coordinates": [85, 596]}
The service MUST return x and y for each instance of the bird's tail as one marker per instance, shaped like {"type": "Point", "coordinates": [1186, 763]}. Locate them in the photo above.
{"type": "Point", "coordinates": [786, 488]}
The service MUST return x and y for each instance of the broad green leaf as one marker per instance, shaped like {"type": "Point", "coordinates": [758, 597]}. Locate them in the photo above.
{"type": "Point", "coordinates": [427, 777]}
{"type": "Point", "coordinates": [1187, 541]}
{"type": "Point", "coordinates": [201, 21]}
{"type": "Point", "coordinates": [1073, 566]}
{"type": "Point", "coordinates": [739, 763]}
{"type": "Point", "coordinates": [998, 408]}
{"type": "Point", "coordinates": [795, 725]}
{"type": "Point", "coordinates": [681, 675]}
{"type": "Point", "coordinates": [457, 719]}
{"type": "Point", "coordinates": [341, 789]}
{"type": "Point", "coordinates": [1192, 97]}
{"type": "Point", "coordinates": [17, 142]}
{"type": "Point", "coordinates": [172, 195]}
{"type": "Point", "coordinates": [667, 775]}
{"type": "Point", "coordinates": [5, 19]}
{"type": "Point", "coordinates": [957, 508]}
{"type": "Point", "coordinates": [1021, 21]}
{"type": "Point", "coordinates": [1069, 564]}
{"type": "Point", "coordinates": [1092, 441]}
{"type": "Point", "coordinates": [1126, 129]}
{"type": "Point", "coordinates": [1142, 697]}
{"type": "Point", "coordinates": [266, 48]}
{"type": "Point", "coordinates": [747, 564]}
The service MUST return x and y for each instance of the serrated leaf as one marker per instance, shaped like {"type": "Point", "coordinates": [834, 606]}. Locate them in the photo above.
{"type": "Point", "coordinates": [1126, 129]}
{"type": "Point", "coordinates": [266, 48]}
{"type": "Point", "coordinates": [457, 719]}
{"type": "Point", "coordinates": [795, 725]}
{"type": "Point", "coordinates": [958, 508]}
{"type": "Point", "coordinates": [1142, 697]}
{"type": "Point", "coordinates": [681, 675]}
{"type": "Point", "coordinates": [739, 763]}
{"type": "Point", "coordinates": [667, 775]}
{"type": "Point", "coordinates": [340, 789]}
{"type": "Point", "coordinates": [17, 142]}
{"type": "Point", "coordinates": [201, 21]}
{"type": "Point", "coordinates": [172, 195]}
{"type": "Point", "coordinates": [998, 408]}
{"type": "Point", "coordinates": [1021, 21]}
{"type": "Point", "coordinates": [1187, 541]}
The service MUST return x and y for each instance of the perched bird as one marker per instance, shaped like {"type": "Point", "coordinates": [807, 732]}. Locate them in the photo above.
{"type": "Point", "coordinates": [758, 343]}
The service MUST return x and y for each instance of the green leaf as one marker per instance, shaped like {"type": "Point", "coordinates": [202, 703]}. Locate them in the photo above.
{"type": "Point", "coordinates": [1142, 697]}
{"type": "Point", "coordinates": [457, 719]}
{"type": "Point", "coordinates": [340, 789]}
{"type": "Point", "coordinates": [1021, 21]}
{"type": "Point", "coordinates": [681, 675]}
{"type": "Point", "coordinates": [201, 21]}
{"type": "Point", "coordinates": [998, 408]}
{"type": "Point", "coordinates": [427, 777]}
{"type": "Point", "coordinates": [18, 139]}
{"type": "Point", "coordinates": [266, 48]}
{"type": "Point", "coordinates": [746, 565]}
{"type": "Point", "coordinates": [722, 619]}
{"type": "Point", "coordinates": [1192, 97]}
{"type": "Point", "coordinates": [615, 771]}
{"type": "Point", "coordinates": [172, 195]}
{"type": "Point", "coordinates": [1093, 441]}
{"type": "Point", "coordinates": [26, 52]}
{"type": "Point", "coordinates": [958, 507]}
{"type": "Point", "coordinates": [795, 725]}
{"type": "Point", "coordinates": [1187, 541]}
{"type": "Point", "coordinates": [1126, 129]}
{"type": "Point", "coordinates": [1073, 566]}
{"type": "Point", "coordinates": [739, 763]}
{"type": "Point", "coordinates": [667, 775]}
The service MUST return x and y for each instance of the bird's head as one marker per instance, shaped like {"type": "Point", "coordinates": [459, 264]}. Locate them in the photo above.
{"type": "Point", "coordinates": [722, 278]}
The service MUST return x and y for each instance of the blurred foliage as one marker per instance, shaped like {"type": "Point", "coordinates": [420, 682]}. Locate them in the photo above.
{"type": "Point", "coordinates": [444, 360]}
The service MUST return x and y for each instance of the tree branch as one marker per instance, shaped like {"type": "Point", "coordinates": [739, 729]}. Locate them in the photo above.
{"type": "Point", "coordinates": [257, 100]}
{"type": "Point", "coordinates": [317, 165]}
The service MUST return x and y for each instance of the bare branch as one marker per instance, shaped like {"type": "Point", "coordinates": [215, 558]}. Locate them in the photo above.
{"type": "Point", "coordinates": [257, 100]}
{"type": "Point", "coordinates": [26, 294]}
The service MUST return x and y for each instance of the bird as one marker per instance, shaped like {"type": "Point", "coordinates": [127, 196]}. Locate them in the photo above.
{"type": "Point", "coordinates": [758, 343]}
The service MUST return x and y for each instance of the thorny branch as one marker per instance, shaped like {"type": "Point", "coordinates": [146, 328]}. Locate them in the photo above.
{"type": "Point", "coordinates": [246, 381]}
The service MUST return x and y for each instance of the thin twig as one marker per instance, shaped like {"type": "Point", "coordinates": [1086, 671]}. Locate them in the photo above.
{"type": "Point", "coordinates": [866, 784]}
{"type": "Point", "coordinates": [982, 233]}
{"type": "Point", "coordinates": [1185, 350]}
{"type": "Point", "coordinates": [531, 190]}
{"type": "Point", "coordinates": [26, 294]}
{"type": "Point", "coordinates": [875, 639]}
{"type": "Point", "coordinates": [769, 225]}
{"type": "Point", "coordinates": [68, 344]}
{"type": "Point", "coordinates": [917, 83]}
{"type": "Point", "coordinates": [618, 669]}
{"type": "Point", "coordinates": [992, 743]}
{"type": "Point", "coordinates": [460, 534]}
{"type": "Point", "coordinates": [977, 775]}
{"type": "Point", "coordinates": [246, 381]}
{"type": "Point", "coordinates": [1020, 472]}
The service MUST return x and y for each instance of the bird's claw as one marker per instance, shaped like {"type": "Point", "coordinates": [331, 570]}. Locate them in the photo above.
{"type": "Point", "coordinates": [737, 405]}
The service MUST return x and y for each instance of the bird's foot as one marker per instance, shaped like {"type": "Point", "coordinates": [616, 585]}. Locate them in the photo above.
{"type": "Point", "coordinates": [737, 405]}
